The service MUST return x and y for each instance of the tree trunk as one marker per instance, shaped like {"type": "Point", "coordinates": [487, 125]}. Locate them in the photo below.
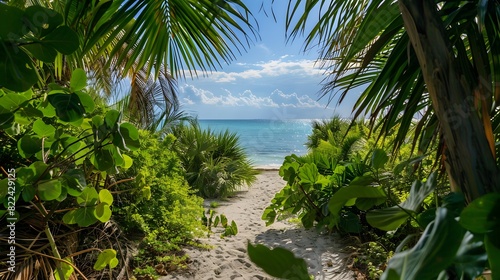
{"type": "Point", "coordinates": [469, 160]}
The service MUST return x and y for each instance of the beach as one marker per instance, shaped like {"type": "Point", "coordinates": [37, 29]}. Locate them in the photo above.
{"type": "Point", "coordinates": [228, 258]}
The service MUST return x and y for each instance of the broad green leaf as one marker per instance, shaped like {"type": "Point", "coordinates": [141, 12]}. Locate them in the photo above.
{"type": "Point", "coordinates": [63, 39]}
{"type": "Point", "coordinates": [493, 255]}
{"type": "Point", "coordinates": [41, 20]}
{"type": "Point", "coordinates": [4, 188]}
{"type": "Point", "coordinates": [28, 193]}
{"type": "Point", "coordinates": [223, 220]}
{"type": "Point", "coordinates": [308, 174]}
{"type": "Point", "coordinates": [391, 218]}
{"type": "Point", "coordinates": [269, 215]}
{"type": "Point", "coordinates": [49, 190]}
{"type": "Point", "coordinates": [349, 222]}
{"type": "Point", "coordinates": [84, 216]}
{"type": "Point", "coordinates": [308, 219]}
{"type": "Point", "coordinates": [13, 26]}
{"type": "Point", "coordinates": [41, 52]}
{"type": "Point", "coordinates": [483, 214]}
{"type": "Point", "coordinates": [17, 71]}
{"type": "Point", "coordinates": [106, 258]}
{"type": "Point", "coordinates": [105, 197]}
{"type": "Point", "coordinates": [103, 159]}
{"type": "Point", "coordinates": [11, 101]}
{"type": "Point", "coordinates": [366, 204]}
{"type": "Point", "coordinates": [65, 269]}
{"type": "Point", "coordinates": [345, 194]}
{"type": "Point", "coordinates": [88, 197]}
{"type": "Point", "coordinates": [433, 253]}
{"type": "Point", "coordinates": [68, 106]}
{"type": "Point", "coordinates": [278, 262]}
{"type": "Point", "coordinates": [128, 161]}
{"type": "Point", "coordinates": [102, 212]}
{"type": "Point", "coordinates": [78, 80]}
{"type": "Point", "coordinates": [379, 159]}
{"type": "Point", "coordinates": [388, 218]}
{"type": "Point", "coordinates": [75, 181]}
{"type": "Point", "coordinates": [471, 256]}
{"type": "Point", "coordinates": [87, 101]}
{"type": "Point", "coordinates": [111, 119]}
{"type": "Point", "coordinates": [127, 137]}
{"type": "Point", "coordinates": [42, 129]}
{"type": "Point", "coordinates": [29, 145]}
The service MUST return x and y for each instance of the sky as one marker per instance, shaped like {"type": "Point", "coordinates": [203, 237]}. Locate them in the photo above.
{"type": "Point", "coordinates": [273, 79]}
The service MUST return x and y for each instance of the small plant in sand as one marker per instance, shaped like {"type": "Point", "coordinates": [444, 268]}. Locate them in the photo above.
{"type": "Point", "coordinates": [213, 220]}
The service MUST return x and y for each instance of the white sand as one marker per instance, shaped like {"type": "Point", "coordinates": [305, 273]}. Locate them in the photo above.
{"type": "Point", "coordinates": [229, 260]}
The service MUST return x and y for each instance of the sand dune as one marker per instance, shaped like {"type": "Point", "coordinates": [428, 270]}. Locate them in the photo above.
{"type": "Point", "coordinates": [229, 260]}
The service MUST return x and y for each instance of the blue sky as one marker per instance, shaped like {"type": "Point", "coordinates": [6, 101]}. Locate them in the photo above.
{"type": "Point", "coordinates": [272, 80]}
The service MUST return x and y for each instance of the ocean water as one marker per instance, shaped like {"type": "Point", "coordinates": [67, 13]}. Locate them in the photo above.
{"type": "Point", "coordinates": [266, 142]}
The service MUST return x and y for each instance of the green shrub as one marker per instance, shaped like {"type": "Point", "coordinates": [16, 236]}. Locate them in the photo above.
{"type": "Point", "coordinates": [215, 164]}
{"type": "Point", "coordinates": [158, 204]}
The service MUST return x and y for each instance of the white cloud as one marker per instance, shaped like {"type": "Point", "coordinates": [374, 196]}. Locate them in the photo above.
{"type": "Point", "coordinates": [271, 68]}
{"type": "Point", "coordinates": [190, 95]}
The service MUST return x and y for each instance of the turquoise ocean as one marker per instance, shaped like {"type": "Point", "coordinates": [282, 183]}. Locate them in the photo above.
{"type": "Point", "coordinates": [266, 142]}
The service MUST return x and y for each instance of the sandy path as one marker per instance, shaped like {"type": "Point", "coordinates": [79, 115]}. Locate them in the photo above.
{"type": "Point", "coordinates": [229, 260]}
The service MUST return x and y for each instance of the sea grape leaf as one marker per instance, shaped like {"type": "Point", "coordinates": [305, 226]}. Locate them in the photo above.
{"type": "Point", "coordinates": [111, 119]}
{"type": "Point", "coordinates": [29, 145]}
{"type": "Point", "coordinates": [105, 197]}
{"type": "Point", "coordinates": [87, 101]}
{"type": "Point", "coordinates": [106, 258]}
{"type": "Point", "coordinates": [63, 39]}
{"type": "Point", "coordinates": [28, 193]}
{"type": "Point", "coordinates": [13, 26]}
{"type": "Point", "coordinates": [41, 20]}
{"type": "Point", "coordinates": [88, 197]}
{"type": "Point", "coordinates": [84, 216]}
{"type": "Point", "coordinates": [433, 253]}
{"type": "Point", "coordinates": [41, 52]}
{"type": "Point", "coordinates": [102, 212]}
{"type": "Point", "coordinates": [78, 80]}
{"type": "Point", "coordinates": [127, 162]}
{"type": "Point", "coordinates": [42, 129]}
{"type": "Point", "coordinates": [103, 159]}
{"type": "Point", "coordinates": [65, 269]}
{"type": "Point", "coordinates": [75, 181]}
{"type": "Point", "coordinates": [278, 262]}
{"type": "Point", "coordinates": [68, 106]}
{"type": "Point", "coordinates": [127, 137]}
{"type": "Point", "coordinates": [49, 190]}
{"type": "Point", "coordinates": [17, 71]}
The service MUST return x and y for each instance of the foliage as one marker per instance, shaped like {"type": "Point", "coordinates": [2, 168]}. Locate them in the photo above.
{"type": "Point", "coordinates": [230, 229]}
{"type": "Point", "coordinates": [215, 164]}
{"type": "Point", "coordinates": [278, 262]}
{"type": "Point", "coordinates": [157, 206]}
{"type": "Point", "coordinates": [67, 153]}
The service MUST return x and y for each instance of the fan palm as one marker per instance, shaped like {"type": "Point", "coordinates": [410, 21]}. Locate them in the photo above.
{"type": "Point", "coordinates": [434, 61]}
{"type": "Point", "coordinates": [150, 43]}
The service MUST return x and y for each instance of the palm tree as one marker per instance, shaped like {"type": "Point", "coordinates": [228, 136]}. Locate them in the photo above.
{"type": "Point", "coordinates": [149, 44]}
{"type": "Point", "coordinates": [434, 61]}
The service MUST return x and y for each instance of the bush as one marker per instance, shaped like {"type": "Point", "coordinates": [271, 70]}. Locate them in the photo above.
{"type": "Point", "coordinates": [215, 164]}
{"type": "Point", "coordinates": [158, 204]}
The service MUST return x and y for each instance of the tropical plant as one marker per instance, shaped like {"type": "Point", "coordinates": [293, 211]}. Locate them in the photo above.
{"type": "Point", "coordinates": [145, 44]}
{"type": "Point", "coordinates": [67, 151]}
{"type": "Point", "coordinates": [450, 75]}
{"type": "Point", "coordinates": [157, 209]}
{"type": "Point", "coordinates": [215, 164]}
{"type": "Point", "coordinates": [366, 43]}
